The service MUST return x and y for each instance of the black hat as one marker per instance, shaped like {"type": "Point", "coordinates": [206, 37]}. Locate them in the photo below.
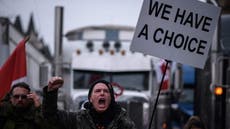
{"type": "Point", "coordinates": [20, 84]}
{"type": "Point", "coordinates": [107, 84]}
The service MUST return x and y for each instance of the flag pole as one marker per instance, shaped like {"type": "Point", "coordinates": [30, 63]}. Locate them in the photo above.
{"type": "Point", "coordinates": [158, 94]}
{"type": "Point", "coordinates": [27, 38]}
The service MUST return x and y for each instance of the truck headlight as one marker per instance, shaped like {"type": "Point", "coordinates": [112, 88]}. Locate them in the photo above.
{"type": "Point", "coordinates": [145, 114]}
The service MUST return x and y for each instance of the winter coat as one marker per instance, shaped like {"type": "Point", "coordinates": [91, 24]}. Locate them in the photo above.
{"type": "Point", "coordinates": [10, 118]}
{"type": "Point", "coordinates": [82, 119]}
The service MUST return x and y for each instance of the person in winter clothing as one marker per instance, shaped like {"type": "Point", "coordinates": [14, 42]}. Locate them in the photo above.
{"type": "Point", "coordinates": [21, 109]}
{"type": "Point", "coordinates": [194, 122]}
{"type": "Point", "coordinates": [101, 110]}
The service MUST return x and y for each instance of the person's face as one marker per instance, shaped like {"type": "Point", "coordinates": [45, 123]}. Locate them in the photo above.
{"type": "Point", "coordinates": [100, 97]}
{"type": "Point", "coordinates": [19, 97]}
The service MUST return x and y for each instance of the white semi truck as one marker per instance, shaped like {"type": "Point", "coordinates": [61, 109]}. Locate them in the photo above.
{"type": "Point", "coordinates": [103, 52]}
{"type": "Point", "coordinates": [134, 72]}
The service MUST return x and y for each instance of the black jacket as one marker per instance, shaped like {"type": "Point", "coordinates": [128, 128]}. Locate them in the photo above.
{"type": "Point", "coordinates": [10, 118]}
{"type": "Point", "coordinates": [82, 119]}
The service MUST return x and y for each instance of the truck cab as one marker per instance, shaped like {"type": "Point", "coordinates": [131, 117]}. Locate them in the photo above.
{"type": "Point", "coordinates": [103, 52]}
{"type": "Point", "coordinates": [132, 75]}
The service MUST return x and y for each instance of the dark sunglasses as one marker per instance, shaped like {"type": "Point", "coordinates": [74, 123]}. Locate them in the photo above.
{"type": "Point", "coordinates": [18, 96]}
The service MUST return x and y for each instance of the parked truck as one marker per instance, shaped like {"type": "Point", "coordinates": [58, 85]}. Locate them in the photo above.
{"type": "Point", "coordinates": [133, 75]}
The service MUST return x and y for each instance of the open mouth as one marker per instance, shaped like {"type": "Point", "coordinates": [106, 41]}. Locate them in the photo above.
{"type": "Point", "coordinates": [101, 101]}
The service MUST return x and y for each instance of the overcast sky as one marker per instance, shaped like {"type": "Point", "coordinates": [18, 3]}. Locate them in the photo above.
{"type": "Point", "coordinates": [77, 13]}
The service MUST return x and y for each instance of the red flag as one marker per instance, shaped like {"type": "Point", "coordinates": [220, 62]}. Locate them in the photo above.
{"type": "Point", "coordinates": [14, 69]}
{"type": "Point", "coordinates": [161, 66]}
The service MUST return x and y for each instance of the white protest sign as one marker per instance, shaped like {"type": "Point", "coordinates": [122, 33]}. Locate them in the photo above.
{"type": "Point", "coordinates": [176, 30]}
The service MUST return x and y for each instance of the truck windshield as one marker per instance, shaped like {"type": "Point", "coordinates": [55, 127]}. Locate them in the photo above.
{"type": "Point", "coordinates": [128, 80]}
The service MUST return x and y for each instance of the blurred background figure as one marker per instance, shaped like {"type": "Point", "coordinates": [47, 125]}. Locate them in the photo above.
{"type": "Point", "coordinates": [194, 122]}
{"type": "Point", "coordinates": [20, 109]}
